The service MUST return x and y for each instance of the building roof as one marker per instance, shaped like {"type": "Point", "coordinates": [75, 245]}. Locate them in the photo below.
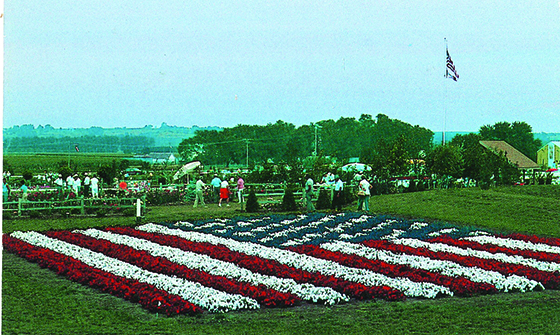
{"type": "Point", "coordinates": [513, 155]}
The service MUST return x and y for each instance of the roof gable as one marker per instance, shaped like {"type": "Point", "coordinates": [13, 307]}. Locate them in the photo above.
{"type": "Point", "coordinates": [513, 155]}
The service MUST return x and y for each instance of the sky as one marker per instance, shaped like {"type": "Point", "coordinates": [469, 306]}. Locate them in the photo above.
{"type": "Point", "coordinates": [121, 63]}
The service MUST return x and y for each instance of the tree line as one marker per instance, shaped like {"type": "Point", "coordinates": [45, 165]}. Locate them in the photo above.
{"type": "Point", "coordinates": [342, 139]}
{"type": "Point", "coordinates": [89, 144]}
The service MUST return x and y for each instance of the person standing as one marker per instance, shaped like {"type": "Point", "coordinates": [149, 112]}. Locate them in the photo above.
{"type": "Point", "coordinates": [338, 194]}
{"type": "Point", "coordinates": [240, 188]}
{"type": "Point", "coordinates": [216, 182]}
{"type": "Point", "coordinates": [77, 184]}
{"type": "Point", "coordinates": [363, 194]}
{"type": "Point", "coordinates": [94, 183]}
{"type": "Point", "coordinates": [224, 192]}
{"type": "Point", "coordinates": [87, 182]}
{"type": "Point", "coordinates": [308, 191]}
{"type": "Point", "coordinates": [199, 193]}
{"type": "Point", "coordinates": [5, 190]}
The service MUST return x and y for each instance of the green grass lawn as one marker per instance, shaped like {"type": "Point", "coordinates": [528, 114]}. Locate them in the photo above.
{"type": "Point", "coordinates": [37, 301]}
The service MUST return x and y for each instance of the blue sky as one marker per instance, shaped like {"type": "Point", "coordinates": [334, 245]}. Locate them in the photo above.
{"type": "Point", "coordinates": [222, 63]}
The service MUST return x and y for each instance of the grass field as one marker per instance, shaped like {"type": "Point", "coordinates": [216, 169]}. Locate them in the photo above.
{"type": "Point", "coordinates": [37, 301]}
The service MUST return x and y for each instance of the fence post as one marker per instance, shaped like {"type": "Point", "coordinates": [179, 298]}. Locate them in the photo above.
{"type": "Point", "coordinates": [138, 210]}
{"type": "Point", "coordinates": [19, 206]}
{"type": "Point", "coordinates": [83, 209]}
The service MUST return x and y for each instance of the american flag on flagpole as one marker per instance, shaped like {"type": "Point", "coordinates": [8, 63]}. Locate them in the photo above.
{"type": "Point", "coordinates": [450, 71]}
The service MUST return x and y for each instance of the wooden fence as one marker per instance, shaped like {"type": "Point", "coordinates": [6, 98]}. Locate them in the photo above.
{"type": "Point", "coordinates": [80, 206]}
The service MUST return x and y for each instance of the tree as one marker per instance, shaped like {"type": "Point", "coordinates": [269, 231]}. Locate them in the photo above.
{"type": "Point", "coordinates": [518, 134]}
{"type": "Point", "coordinates": [397, 161]}
{"type": "Point", "coordinates": [445, 161]}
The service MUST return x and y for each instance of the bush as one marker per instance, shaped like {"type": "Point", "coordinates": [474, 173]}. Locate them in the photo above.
{"type": "Point", "coordinates": [34, 214]}
{"type": "Point", "coordinates": [6, 215]}
{"type": "Point", "coordinates": [288, 201]}
{"type": "Point", "coordinates": [324, 199]}
{"type": "Point", "coordinates": [129, 212]}
{"type": "Point", "coordinates": [252, 203]}
{"type": "Point", "coordinates": [27, 175]}
{"type": "Point", "coordinates": [101, 213]}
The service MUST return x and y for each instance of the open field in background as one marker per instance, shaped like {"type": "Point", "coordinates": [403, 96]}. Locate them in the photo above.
{"type": "Point", "coordinates": [37, 301]}
{"type": "Point", "coordinates": [38, 163]}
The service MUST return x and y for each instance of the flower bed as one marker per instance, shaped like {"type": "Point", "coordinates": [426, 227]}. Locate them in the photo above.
{"type": "Point", "coordinates": [280, 261]}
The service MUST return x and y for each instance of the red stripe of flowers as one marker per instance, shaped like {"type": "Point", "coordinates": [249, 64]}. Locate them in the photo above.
{"type": "Point", "coordinates": [547, 279]}
{"type": "Point", "coordinates": [541, 256]}
{"type": "Point", "coordinates": [147, 295]}
{"type": "Point", "coordinates": [267, 267]}
{"type": "Point", "coordinates": [459, 285]}
{"type": "Point", "coordinates": [143, 259]}
{"type": "Point", "coordinates": [535, 239]}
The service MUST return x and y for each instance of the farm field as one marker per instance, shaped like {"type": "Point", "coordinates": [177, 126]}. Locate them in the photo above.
{"type": "Point", "coordinates": [36, 300]}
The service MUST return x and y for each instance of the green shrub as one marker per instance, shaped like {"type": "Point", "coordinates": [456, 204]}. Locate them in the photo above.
{"type": "Point", "coordinates": [288, 201]}
{"type": "Point", "coordinates": [6, 215]}
{"type": "Point", "coordinates": [252, 203]}
{"type": "Point", "coordinates": [324, 199]}
{"type": "Point", "coordinates": [34, 214]}
{"type": "Point", "coordinates": [129, 212]}
{"type": "Point", "coordinates": [101, 213]}
{"type": "Point", "coordinates": [27, 175]}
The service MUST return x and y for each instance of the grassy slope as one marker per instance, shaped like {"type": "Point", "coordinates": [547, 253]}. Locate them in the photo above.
{"type": "Point", "coordinates": [38, 301]}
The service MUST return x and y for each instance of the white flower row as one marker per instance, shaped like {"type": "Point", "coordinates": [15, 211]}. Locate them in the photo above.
{"type": "Point", "coordinates": [205, 297]}
{"type": "Point", "coordinates": [515, 244]}
{"type": "Point", "coordinates": [444, 267]}
{"type": "Point", "coordinates": [442, 232]}
{"type": "Point", "coordinates": [221, 268]}
{"type": "Point", "coordinates": [308, 263]}
{"type": "Point", "coordinates": [513, 259]}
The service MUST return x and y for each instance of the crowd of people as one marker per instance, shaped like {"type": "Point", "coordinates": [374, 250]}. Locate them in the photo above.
{"type": "Point", "coordinates": [86, 187]}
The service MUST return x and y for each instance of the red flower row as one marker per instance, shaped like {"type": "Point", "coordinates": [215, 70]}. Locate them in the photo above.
{"type": "Point", "coordinates": [547, 279]}
{"type": "Point", "coordinates": [267, 267]}
{"type": "Point", "coordinates": [145, 260]}
{"type": "Point", "coordinates": [147, 295]}
{"type": "Point", "coordinates": [541, 256]}
{"type": "Point", "coordinates": [535, 239]}
{"type": "Point", "coordinates": [460, 286]}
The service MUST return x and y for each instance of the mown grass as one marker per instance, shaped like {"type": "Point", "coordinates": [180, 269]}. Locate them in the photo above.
{"type": "Point", "coordinates": [37, 301]}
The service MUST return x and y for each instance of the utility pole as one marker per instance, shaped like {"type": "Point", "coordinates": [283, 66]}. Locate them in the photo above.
{"type": "Point", "coordinates": [247, 157]}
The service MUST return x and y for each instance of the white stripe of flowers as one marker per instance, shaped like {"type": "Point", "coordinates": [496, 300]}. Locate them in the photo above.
{"type": "Point", "coordinates": [444, 267]}
{"type": "Point", "coordinates": [205, 297]}
{"type": "Point", "coordinates": [514, 259]}
{"type": "Point", "coordinates": [515, 244]}
{"type": "Point", "coordinates": [308, 263]}
{"type": "Point", "coordinates": [221, 268]}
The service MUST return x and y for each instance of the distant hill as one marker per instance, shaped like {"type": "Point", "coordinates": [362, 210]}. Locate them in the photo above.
{"type": "Point", "coordinates": [163, 136]}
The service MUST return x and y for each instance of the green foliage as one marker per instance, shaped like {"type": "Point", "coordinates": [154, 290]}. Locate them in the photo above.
{"type": "Point", "coordinates": [324, 199]}
{"type": "Point", "coordinates": [517, 134]}
{"type": "Point", "coordinates": [27, 175]}
{"type": "Point", "coordinates": [288, 201]}
{"type": "Point", "coordinates": [283, 142]}
{"type": "Point", "coordinates": [107, 172]}
{"type": "Point", "coordinates": [252, 205]}
{"type": "Point", "coordinates": [445, 160]}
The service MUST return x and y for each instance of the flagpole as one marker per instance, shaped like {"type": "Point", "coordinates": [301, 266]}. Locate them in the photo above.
{"type": "Point", "coordinates": [444, 104]}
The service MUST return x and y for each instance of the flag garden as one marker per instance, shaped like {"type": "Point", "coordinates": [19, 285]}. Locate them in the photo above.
{"type": "Point", "coordinates": [281, 261]}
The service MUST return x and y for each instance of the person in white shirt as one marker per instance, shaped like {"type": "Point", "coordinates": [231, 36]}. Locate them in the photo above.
{"type": "Point", "coordinates": [70, 182]}
{"type": "Point", "coordinates": [338, 194]}
{"type": "Point", "coordinates": [94, 183]}
{"type": "Point", "coordinates": [77, 184]}
{"type": "Point", "coordinates": [87, 182]}
{"type": "Point", "coordinates": [363, 194]}
{"type": "Point", "coordinates": [199, 193]}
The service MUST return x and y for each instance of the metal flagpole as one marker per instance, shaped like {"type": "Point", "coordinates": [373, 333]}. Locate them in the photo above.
{"type": "Point", "coordinates": [444, 100]}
